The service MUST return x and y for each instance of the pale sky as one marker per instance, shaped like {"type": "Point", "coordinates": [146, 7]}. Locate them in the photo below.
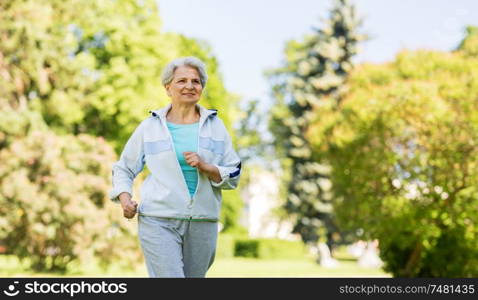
{"type": "Point", "coordinates": [249, 36]}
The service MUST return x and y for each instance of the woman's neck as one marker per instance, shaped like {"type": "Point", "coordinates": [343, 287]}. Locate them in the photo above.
{"type": "Point", "coordinates": [183, 114]}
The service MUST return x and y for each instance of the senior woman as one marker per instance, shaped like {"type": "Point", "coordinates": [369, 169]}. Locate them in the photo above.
{"type": "Point", "coordinates": [190, 155]}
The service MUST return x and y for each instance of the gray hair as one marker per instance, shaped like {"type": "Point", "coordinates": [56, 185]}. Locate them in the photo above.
{"type": "Point", "coordinates": [190, 61]}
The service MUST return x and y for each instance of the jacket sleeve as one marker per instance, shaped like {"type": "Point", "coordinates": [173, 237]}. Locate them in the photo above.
{"type": "Point", "coordinates": [229, 166]}
{"type": "Point", "coordinates": [130, 164]}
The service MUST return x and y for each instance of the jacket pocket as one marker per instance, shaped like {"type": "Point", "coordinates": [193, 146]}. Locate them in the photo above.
{"type": "Point", "coordinates": [156, 198]}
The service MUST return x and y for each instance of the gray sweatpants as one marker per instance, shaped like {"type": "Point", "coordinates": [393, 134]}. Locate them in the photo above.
{"type": "Point", "coordinates": [177, 248]}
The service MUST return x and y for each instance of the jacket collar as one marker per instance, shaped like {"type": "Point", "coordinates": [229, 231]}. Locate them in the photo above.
{"type": "Point", "coordinates": [203, 112]}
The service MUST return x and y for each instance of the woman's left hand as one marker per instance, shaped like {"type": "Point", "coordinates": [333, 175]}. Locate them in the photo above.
{"type": "Point", "coordinates": [193, 159]}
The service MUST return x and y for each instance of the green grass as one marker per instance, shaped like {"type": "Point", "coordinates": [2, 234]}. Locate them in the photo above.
{"type": "Point", "coordinates": [12, 267]}
{"type": "Point", "coordinates": [249, 267]}
{"type": "Point", "coordinates": [222, 267]}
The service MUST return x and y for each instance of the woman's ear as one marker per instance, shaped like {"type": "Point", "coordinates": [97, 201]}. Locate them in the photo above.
{"type": "Point", "coordinates": [167, 90]}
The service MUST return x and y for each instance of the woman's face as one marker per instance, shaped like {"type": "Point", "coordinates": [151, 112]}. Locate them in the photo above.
{"type": "Point", "coordinates": [186, 85]}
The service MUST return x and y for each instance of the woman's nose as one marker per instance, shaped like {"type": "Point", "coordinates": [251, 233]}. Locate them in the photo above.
{"type": "Point", "coordinates": [189, 85]}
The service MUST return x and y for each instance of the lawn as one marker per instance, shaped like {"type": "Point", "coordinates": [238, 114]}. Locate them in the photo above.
{"type": "Point", "coordinates": [248, 267]}
{"type": "Point", "coordinates": [222, 267]}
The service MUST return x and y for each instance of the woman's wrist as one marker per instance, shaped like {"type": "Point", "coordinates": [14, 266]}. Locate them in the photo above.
{"type": "Point", "coordinates": [211, 171]}
{"type": "Point", "coordinates": [205, 168]}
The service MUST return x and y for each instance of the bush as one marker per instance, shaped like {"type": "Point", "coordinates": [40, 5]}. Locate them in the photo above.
{"type": "Point", "coordinates": [231, 212]}
{"type": "Point", "coordinates": [54, 207]}
{"type": "Point", "coordinates": [225, 246]}
{"type": "Point", "coordinates": [276, 248]}
{"type": "Point", "coordinates": [269, 248]}
{"type": "Point", "coordinates": [247, 248]}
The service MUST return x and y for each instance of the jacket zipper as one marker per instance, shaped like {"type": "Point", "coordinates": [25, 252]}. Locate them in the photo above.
{"type": "Point", "coordinates": [177, 162]}
{"type": "Point", "coordinates": [197, 151]}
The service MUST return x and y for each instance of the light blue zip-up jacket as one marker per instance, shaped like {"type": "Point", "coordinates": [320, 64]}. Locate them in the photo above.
{"type": "Point", "coordinates": [164, 192]}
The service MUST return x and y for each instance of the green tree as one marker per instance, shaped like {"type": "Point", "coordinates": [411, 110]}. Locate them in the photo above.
{"type": "Point", "coordinates": [94, 67]}
{"type": "Point", "coordinates": [315, 69]}
{"type": "Point", "coordinates": [403, 150]}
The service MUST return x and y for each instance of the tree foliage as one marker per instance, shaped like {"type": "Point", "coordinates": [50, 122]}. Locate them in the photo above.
{"type": "Point", "coordinates": [315, 68]}
{"type": "Point", "coordinates": [94, 67]}
{"type": "Point", "coordinates": [404, 154]}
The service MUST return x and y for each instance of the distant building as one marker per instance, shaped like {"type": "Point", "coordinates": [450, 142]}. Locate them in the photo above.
{"type": "Point", "coordinates": [261, 199]}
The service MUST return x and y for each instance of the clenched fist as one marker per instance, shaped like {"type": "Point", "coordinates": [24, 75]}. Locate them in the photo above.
{"type": "Point", "coordinates": [129, 206]}
{"type": "Point", "coordinates": [193, 159]}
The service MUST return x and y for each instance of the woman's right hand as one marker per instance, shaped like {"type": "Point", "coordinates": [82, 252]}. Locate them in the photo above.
{"type": "Point", "coordinates": [129, 206]}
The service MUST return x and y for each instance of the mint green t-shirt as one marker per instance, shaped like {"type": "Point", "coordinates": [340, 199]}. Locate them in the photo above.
{"type": "Point", "coordinates": [185, 139]}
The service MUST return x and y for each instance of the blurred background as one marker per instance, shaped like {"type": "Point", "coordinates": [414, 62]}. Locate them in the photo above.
{"type": "Point", "coordinates": [357, 124]}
